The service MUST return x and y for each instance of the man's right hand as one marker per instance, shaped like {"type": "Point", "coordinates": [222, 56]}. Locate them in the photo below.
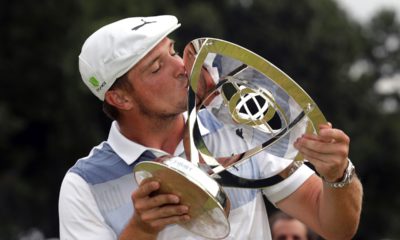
{"type": "Point", "coordinates": [153, 212]}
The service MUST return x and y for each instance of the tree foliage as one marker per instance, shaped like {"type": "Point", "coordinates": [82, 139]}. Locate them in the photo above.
{"type": "Point", "coordinates": [49, 119]}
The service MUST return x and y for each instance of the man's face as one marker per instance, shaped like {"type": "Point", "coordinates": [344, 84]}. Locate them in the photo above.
{"type": "Point", "coordinates": [289, 230]}
{"type": "Point", "coordinates": [160, 82]}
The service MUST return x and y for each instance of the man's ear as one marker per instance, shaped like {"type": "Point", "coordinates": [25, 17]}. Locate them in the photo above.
{"type": "Point", "coordinates": [118, 99]}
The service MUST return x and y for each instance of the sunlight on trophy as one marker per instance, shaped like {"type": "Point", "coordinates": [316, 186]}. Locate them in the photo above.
{"type": "Point", "coordinates": [241, 111]}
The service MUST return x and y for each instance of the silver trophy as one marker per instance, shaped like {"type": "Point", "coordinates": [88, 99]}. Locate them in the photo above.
{"type": "Point", "coordinates": [235, 98]}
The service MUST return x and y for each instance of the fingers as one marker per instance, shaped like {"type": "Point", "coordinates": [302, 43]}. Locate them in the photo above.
{"type": "Point", "coordinates": [145, 196]}
{"type": "Point", "coordinates": [157, 201]}
{"type": "Point", "coordinates": [336, 134]}
{"type": "Point", "coordinates": [156, 210]}
{"type": "Point", "coordinates": [321, 146]}
{"type": "Point", "coordinates": [162, 222]}
{"type": "Point", "coordinates": [325, 125]}
{"type": "Point", "coordinates": [312, 152]}
{"type": "Point", "coordinates": [327, 151]}
{"type": "Point", "coordinates": [329, 135]}
{"type": "Point", "coordinates": [166, 214]}
{"type": "Point", "coordinates": [145, 188]}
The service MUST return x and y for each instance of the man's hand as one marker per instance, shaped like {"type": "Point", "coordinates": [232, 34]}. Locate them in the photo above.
{"type": "Point", "coordinates": [327, 152]}
{"type": "Point", "coordinates": [153, 212]}
{"type": "Point", "coordinates": [334, 213]}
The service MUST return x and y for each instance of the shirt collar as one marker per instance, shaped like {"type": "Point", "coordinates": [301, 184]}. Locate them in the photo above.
{"type": "Point", "coordinates": [129, 150]}
{"type": "Point", "coordinates": [126, 149]}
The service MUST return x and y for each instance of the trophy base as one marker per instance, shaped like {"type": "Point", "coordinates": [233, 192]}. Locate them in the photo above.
{"type": "Point", "coordinates": [208, 205]}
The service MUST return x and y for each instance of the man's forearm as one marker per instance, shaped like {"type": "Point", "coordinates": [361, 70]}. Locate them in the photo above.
{"type": "Point", "coordinates": [340, 209]}
{"type": "Point", "coordinates": [333, 213]}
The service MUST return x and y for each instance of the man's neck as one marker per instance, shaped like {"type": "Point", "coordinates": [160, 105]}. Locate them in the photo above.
{"type": "Point", "coordinates": [164, 134]}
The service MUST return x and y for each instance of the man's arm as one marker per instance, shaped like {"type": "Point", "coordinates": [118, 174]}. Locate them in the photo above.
{"type": "Point", "coordinates": [334, 213]}
{"type": "Point", "coordinates": [79, 216]}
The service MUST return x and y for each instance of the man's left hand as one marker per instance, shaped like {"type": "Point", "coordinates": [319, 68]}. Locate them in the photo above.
{"type": "Point", "coordinates": [327, 151]}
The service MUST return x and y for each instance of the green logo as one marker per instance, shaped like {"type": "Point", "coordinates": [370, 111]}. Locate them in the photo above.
{"type": "Point", "coordinates": [94, 82]}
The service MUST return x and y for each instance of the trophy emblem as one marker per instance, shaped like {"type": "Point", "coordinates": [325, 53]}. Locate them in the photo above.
{"type": "Point", "coordinates": [241, 108]}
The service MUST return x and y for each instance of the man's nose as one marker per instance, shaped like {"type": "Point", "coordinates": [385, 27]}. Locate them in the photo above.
{"type": "Point", "coordinates": [180, 66]}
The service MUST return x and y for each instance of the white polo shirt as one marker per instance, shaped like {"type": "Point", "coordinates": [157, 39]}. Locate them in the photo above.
{"type": "Point", "coordinates": [95, 196]}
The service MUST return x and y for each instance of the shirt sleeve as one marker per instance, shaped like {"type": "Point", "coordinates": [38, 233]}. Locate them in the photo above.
{"type": "Point", "coordinates": [271, 165]}
{"type": "Point", "coordinates": [286, 187]}
{"type": "Point", "coordinates": [79, 216]}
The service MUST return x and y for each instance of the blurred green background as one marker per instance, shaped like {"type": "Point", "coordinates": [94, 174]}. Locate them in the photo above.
{"type": "Point", "coordinates": [48, 119]}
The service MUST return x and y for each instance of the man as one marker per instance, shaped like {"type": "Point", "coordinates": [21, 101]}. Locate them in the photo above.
{"type": "Point", "coordinates": [285, 227]}
{"type": "Point", "coordinates": [131, 65]}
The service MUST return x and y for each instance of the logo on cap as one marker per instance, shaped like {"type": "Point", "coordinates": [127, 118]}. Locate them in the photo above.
{"type": "Point", "coordinates": [141, 25]}
{"type": "Point", "coordinates": [94, 82]}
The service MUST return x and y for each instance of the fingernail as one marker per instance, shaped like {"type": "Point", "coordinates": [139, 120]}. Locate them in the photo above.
{"type": "Point", "coordinates": [185, 218]}
{"type": "Point", "coordinates": [155, 185]}
{"type": "Point", "coordinates": [175, 199]}
{"type": "Point", "coordinates": [185, 208]}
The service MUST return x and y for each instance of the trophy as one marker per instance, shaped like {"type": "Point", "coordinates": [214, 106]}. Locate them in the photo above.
{"type": "Point", "coordinates": [241, 108]}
